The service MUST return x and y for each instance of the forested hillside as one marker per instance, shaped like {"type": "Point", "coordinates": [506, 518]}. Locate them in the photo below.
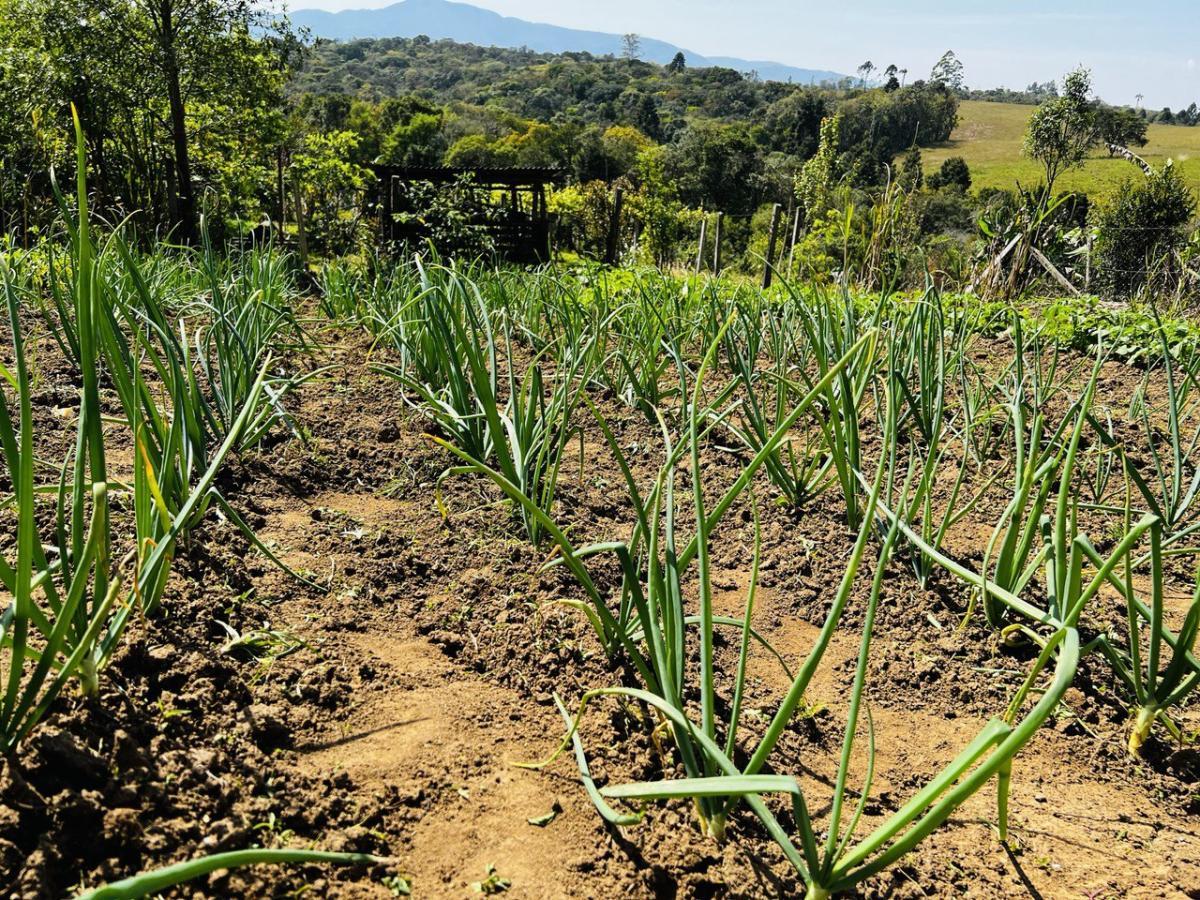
{"type": "Point", "coordinates": [732, 141]}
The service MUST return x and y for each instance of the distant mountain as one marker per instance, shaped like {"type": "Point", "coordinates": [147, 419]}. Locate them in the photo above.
{"type": "Point", "coordinates": [471, 25]}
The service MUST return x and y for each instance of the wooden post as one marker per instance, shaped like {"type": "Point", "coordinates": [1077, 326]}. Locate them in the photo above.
{"type": "Point", "coordinates": [795, 238]}
{"type": "Point", "coordinates": [540, 215]}
{"type": "Point", "coordinates": [776, 212]}
{"type": "Point", "coordinates": [386, 193]}
{"type": "Point", "coordinates": [282, 194]}
{"type": "Point", "coordinates": [1087, 267]}
{"type": "Point", "coordinates": [700, 249]}
{"type": "Point", "coordinates": [301, 237]}
{"type": "Point", "coordinates": [614, 228]}
{"type": "Point", "coordinates": [717, 244]}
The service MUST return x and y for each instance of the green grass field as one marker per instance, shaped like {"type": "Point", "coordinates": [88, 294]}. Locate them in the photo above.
{"type": "Point", "coordinates": [989, 137]}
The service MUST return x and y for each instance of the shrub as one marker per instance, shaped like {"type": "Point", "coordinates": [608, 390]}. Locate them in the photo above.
{"type": "Point", "coordinates": [333, 188]}
{"type": "Point", "coordinates": [945, 211]}
{"type": "Point", "coordinates": [954, 173]}
{"type": "Point", "coordinates": [1142, 232]}
{"type": "Point", "coordinates": [453, 217]}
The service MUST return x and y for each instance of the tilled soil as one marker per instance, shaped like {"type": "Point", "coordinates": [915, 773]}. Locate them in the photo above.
{"type": "Point", "coordinates": [383, 707]}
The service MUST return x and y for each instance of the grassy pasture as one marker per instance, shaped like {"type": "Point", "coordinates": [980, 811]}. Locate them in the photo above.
{"type": "Point", "coordinates": [989, 137]}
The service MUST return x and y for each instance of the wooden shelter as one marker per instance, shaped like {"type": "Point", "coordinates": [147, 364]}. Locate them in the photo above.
{"type": "Point", "coordinates": [508, 204]}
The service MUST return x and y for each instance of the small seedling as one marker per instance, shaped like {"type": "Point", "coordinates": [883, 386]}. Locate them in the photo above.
{"type": "Point", "coordinates": [494, 883]}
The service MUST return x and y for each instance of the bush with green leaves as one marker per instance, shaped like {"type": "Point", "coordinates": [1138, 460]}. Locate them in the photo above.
{"type": "Point", "coordinates": [954, 174]}
{"type": "Point", "coordinates": [451, 217]}
{"type": "Point", "coordinates": [1142, 233]}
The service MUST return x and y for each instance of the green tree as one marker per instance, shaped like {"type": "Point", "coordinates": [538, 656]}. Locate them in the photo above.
{"type": "Point", "coordinates": [416, 142]}
{"type": "Point", "coordinates": [1062, 131]}
{"type": "Point", "coordinates": [643, 114]}
{"type": "Point", "coordinates": [332, 188]}
{"type": "Point", "coordinates": [820, 176]}
{"type": "Point", "coordinates": [175, 96]}
{"type": "Point", "coordinates": [475, 150]}
{"type": "Point", "coordinates": [193, 49]}
{"type": "Point", "coordinates": [881, 125]}
{"type": "Point", "coordinates": [376, 123]}
{"type": "Point", "coordinates": [539, 145]}
{"type": "Point", "coordinates": [585, 215]}
{"type": "Point", "coordinates": [714, 167]}
{"type": "Point", "coordinates": [792, 124]}
{"type": "Point", "coordinates": [948, 71]}
{"type": "Point", "coordinates": [656, 205]}
{"type": "Point", "coordinates": [1120, 128]}
{"type": "Point", "coordinates": [622, 145]}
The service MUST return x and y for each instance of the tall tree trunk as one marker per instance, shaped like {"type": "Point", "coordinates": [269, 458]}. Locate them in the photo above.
{"type": "Point", "coordinates": [186, 205]}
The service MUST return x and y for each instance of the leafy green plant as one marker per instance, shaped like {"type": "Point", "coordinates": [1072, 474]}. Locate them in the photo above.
{"type": "Point", "coordinates": [1156, 688]}
{"type": "Point", "coordinates": [492, 883]}
{"type": "Point", "coordinates": [1169, 492]}
{"type": "Point", "coordinates": [341, 285]}
{"type": "Point", "coordinates": [69, 618]}
{"type": "Point", "coordinates": [449, 361]}
{"type": "Point", "coordinates": [533, 434]}
{"type": "Point", "coordinates": [1143, 233]}
{"type": "Point", "coordinates": [1043, 458]}
{"type": "Point", "coordinates": [159, 880]}
{"type": "Point", "coordinates": [617, 628]}
{"type": "Point", "coordinates": [69, 609]}
{"type": "Point", "coordinates": [250, 318]}
{"type": "Point", "coordinates": [832, 331]}
{"type": "Point", "coordinates": [799, 467]}
{"type": "Point", "coordinates": [915, 502]}
{"type": "Point", "coordinates": [722, 786]}
{"type": "Point", "coordinates": [919, 362]}
{"type": "Point", "coordinates": [638, 366]}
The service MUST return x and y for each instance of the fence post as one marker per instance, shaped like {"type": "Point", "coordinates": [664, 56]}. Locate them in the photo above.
{"type": "Point", "coordinates": [717, 244]}
{"type": "Point", "coordinates": [700, 249]}
{"type": "Point", "coordinates": [771, 236]}
{"type": "Point", "coordinates": [386, 194]}
{"type": "Point", "coordinates": [282, 190]}
{"type": "Point", "coordinates": [795, 238]}
{"type": "Point", "coordinates": [1087, 267]}
{"type": "Point", "coordinates": [301, 237]}
{"type": "Point", "coordinates": [614, 228]}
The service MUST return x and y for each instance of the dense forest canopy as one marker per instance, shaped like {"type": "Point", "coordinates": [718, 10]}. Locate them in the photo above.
{"type": "Point", "coordinates": [505, 92]}
{"type": "Point", "coordinates": [720, 139]}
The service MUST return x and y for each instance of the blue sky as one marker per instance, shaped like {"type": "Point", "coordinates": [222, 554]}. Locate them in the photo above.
{"type": "Point", "coordinates": [1148, 48]}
